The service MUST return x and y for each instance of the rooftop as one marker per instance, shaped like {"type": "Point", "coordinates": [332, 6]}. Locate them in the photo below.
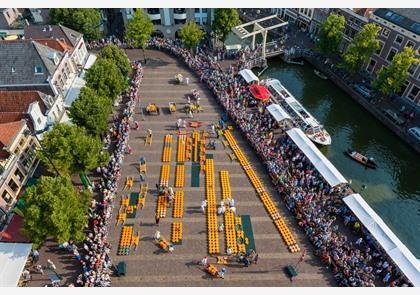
{"type": "Point", "coordinates": [60, 32]}
{"type": "Point", "coordinates": [8, 132]}
{"type": "Point", "coordinates": [26, 62]}
{"type": "Point", "coordinates": [19, 101]}
{"type": "Point", "coordinates": [407, 18]}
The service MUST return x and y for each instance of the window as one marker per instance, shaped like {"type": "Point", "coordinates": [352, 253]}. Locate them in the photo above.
{"type": "Point", "coordinates": [38, 69]}
{"type": "Point", "coordinates": [19, 174]}
{"type": "Point", "coordinates": [6, 197]}
{"type": "Point", "coordinates": [22, 142]}
{"type": "Point", "coordinates": [399, 39]}
{"type": "Point", "coordinates": [371, 65]}
{"type": "Point", "coordinates": [381, 46]}
{"type": "Point", "coordinates": [204, 20]}
{"type": "Point", "coordinates": [204, 10]}
{"type": "Point", "coordinates": [12, 184]}
{"type": "Point", "coordinates": [412, 69]}
{"type": "Point", "coordinates": [385, 32]}
{"type": "Point", "coordinates": [414, 92]}
{"type": "Point", "coordinates": [403, 88]}
{"type": "Point", "coordinates": [197, 10]}
{"type": "Point", "coordinates": [391, 54]}
{"type": "Point", "coordinates": [409, 44]}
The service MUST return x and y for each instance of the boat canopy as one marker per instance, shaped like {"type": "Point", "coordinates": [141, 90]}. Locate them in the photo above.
{"type": "Point", "coordinates": [259, 92]}
{"type": "Point", "coordinates": [321, 163]}
{"type": "Point", "coordinates": [278, 113]}
{"type": "Point", "coordinates": [13, 258]}
{"type": "Point", "coordinates": [399, 253]}
{"type": "Point", "coordinates": [248, 75]}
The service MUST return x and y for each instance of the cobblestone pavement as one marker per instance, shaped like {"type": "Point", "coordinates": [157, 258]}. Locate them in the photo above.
{"type": "Point", "coordinates": [148, 266]}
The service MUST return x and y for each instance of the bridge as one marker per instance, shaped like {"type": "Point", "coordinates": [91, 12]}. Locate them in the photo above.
{"type": "Point", "coordinates": [262, 26]}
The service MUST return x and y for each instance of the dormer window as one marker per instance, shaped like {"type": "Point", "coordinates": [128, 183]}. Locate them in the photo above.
{"type": "Point", "coordinates": [38, 69]}
{"type": "Point", "coordinates": [13, 69]}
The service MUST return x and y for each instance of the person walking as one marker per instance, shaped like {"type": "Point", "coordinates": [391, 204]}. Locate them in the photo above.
{"type": "Point", "coordinates": [35, 256]}
{"type": "Point", "coordinates": [157, 219]}
{"type": "Point", "coordinates": [51, 265]}
{"type": "Point", "coordinates": [203, 206]}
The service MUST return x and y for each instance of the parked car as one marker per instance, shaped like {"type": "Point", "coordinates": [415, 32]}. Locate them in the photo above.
{"type": "Point", "coordinates": [414, 132]}
{"type": "Point", "coordinates": [364, 90]}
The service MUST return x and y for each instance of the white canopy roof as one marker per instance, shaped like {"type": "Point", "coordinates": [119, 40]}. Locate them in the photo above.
{"type": "Point", "coordinates": [398, 252]}
{"type": "Point", "coordinates": [248, 75]}
{"type": "Point", "coordinates": [13, 258]}
{"type": "Point", "coordinates": [278, 113]}
{"type": "Point", "coordinates": [321, 163]}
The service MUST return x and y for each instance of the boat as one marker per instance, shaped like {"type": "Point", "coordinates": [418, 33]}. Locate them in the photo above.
{"type": "Point", "coordinates": [368, 162]}
{"type": "Point", "coordinates": [307, 123]}
{"type": "Point", "coordinates": [320, 74]}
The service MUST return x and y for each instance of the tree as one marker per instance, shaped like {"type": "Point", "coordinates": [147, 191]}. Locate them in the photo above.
{"type": "Point", "coordinates": [191, 34]}
{"type": "Point", "coordinates": [105, 77]}
{"type": "Point", "coordinates": [139, 29]}
{"type": "Point", "coordinates": [83, 20]}
{"type": "Point", "coordinates": [118, 56]}
{"type": "Point", "coordinates": [224, 20]}
{"type": "Point", "coordinates": [91, 111]}
{"type": "Point", "coordinates": [362, 47]}
{"type": "Point", "coordinates": [391, 78]}
{"type": "Point", "coordinates": [331, 34]}
{"type": "Point", "coordinates": [71, 150]}
{"type": "Point", "coordinates": [54, 208]}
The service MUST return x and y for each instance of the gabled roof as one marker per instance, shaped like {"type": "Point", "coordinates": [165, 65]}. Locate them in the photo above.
{"type": "Point", "coordinates": [19, 101]}
{"type": "Point", "coordinates": [7, 117]}
{"type": "Point", "coordinates": [69, 36]}
{"type": "Point", "coordinates": [55, 44]}
{"type": "Point", "coordinates": [8, 132]}
{"type": "Point", "coordinates": [19, 59]}
{"type": "Point", "coordinates": [407, 18]}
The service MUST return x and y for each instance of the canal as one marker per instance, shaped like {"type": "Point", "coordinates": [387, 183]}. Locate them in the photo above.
{"type": "Point", "coordinates": [393, 190]}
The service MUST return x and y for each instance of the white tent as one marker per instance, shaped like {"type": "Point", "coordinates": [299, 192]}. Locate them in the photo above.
{"type": "Point", "coordinates": [278, 113]}
{"type": "Point", "coordinates": [248, 75]}
{"type": "Point", "coordinates": [13, 258]}
{"type": "Point", "coordinates": [399, 253]}
{"type": "Point", "coordinates": [321, 163]}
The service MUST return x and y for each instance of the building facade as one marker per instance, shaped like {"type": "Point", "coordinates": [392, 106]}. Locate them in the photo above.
{"type": "Point", "coordinates": [17, 162]}
{"type": "Point", "coordinates": [400, 28]}
{"type": "Point", "coordinates": [168, 21]}
{"type": "Point", "coordinates": [302, 17]}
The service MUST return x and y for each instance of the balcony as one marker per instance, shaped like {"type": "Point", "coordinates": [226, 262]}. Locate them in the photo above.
{"type": "Point", "coordinates": [180, 14]}
{"type": "Point", "coordinates": [153, 14]}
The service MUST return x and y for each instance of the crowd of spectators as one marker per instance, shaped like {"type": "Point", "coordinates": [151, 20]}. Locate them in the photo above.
{"type": "Point", "coordinates": [94, 256]}
{"type": "Point", "coordinates": [355, 258]}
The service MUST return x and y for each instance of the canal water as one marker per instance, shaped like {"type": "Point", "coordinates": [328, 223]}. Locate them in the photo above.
{"type": "Point", "coordinates": [393, 190]}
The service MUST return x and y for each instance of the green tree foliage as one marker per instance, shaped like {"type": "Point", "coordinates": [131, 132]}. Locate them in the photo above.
{"type": "Point", "coordinates": [118, 56]}
{"type": "Point", "coordinates": [91, 111]}
{"type": "Point", "coordinates": [138, 29]}
{"type": "Point", "coordinates": [83, 20]}
{"type": "Point", "coordinates": [391, 78]}
{"type": "Point", "coordinates": [105, 77]}
{"type": "Point", "coordinates": [331, 34]}
{"type": "Point", "coordinates": [224, 20]}
{"type": "Point", "coordinates": [362, 47]}
{"type": "Point", "coordinates": [191, 34]}
{"type": "Point", "coordinates": [71, 150]}
{"type": "Point", "coordinates": [54, 208]}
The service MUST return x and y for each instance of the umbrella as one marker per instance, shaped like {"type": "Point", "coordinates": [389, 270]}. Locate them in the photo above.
{"type": "Point", "coordinates": [259, 92]}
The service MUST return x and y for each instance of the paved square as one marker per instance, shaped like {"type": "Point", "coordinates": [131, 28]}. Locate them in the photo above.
{"type": "Point", "coordinates": [148, 266]}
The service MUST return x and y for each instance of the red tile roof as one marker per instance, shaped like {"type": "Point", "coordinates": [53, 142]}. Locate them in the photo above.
{"type": "Point", "coordinates": [19, 101]}
{"type": "Point", "coordinates": [10, 117]}
{"type": "Point", "coordinates": [8, 131]}
{"type": "Point", "coordinates": [59, 45]}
